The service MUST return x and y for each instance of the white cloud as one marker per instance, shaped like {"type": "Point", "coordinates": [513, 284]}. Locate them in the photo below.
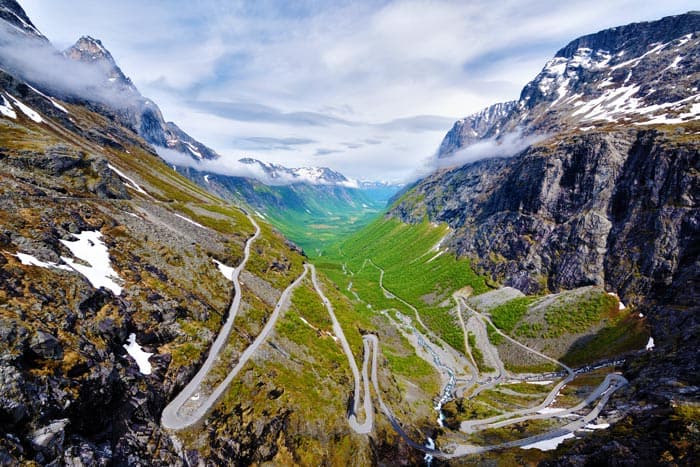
{"type": "Point", "coordinates": [365, 62]}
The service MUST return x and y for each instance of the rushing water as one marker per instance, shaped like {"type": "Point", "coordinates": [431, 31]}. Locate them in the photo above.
{"type": "Point", "coordinates": [446, 394]}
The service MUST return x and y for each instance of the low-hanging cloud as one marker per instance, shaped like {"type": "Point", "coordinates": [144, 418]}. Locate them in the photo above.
{"type": "Point", "coordinates": [508, 145]}
{"type": "Point", "coordinates": [236, 168]}
{"type": "Point", "coordinates": [504, 146]}
{"type": "Point", "coordinates": [39, 63]}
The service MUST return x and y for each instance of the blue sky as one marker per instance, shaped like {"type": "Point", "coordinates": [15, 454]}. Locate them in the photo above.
{"type": "Point", "coordinates": [368, 88]}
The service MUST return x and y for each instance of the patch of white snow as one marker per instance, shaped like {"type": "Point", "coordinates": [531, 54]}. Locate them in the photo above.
{"type": "Point", "coordinates": [138, 354]}
{"type": "Point", "coordinates": [650, 344]}
{"type": "Point", "coordinates": [600, 426]}
{"type": "Point", "coordinates": [29, 260]}
{"type": "Point", "coordinates": [132, 184]}
{"type": "Point", "coordinates": [90, 248]}
{"type": "Point", "coordinates": [548, 410]}
{"type": "Point", "coordinates": [227, 271]}
{"type": "Point", "coordinates": [31, 114]}
{"type": "Point", "coordinates": [6, 109]}
{"type": "Point", "coordinates": [548, 444]}
{"type": "Point", "coordinates": [189, 220]}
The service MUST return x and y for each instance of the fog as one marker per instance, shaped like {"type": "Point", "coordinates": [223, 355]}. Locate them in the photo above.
{"type": "Point", "coordinates": [507, 145]}
{"type": "Point", "coordinates": [40, 64]}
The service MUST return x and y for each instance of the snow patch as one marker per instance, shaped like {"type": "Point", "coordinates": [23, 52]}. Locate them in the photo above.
{"type": "Point", "coordinates": [138, 354]}
{"type": "Point", "coordinates": [540, 383]}
{"type": "Point", "coordinates": [6, 109]}
{"type": "Point", "coordinates": [29, 260]}
{"type": "Point", "coordinates": [650, 344]}
{"type": "Point", "coordinates": [439, 253]}
{"type": "Point", "coordinates": [548, 444]}
{"type": "Point", "coordinates": [227, 271]}
{"type": "Point", "coordinates": [189, 220]}
{"type": "Point", "coordinates": [548, 410]}
{"type": "Point", "coordinates": [30, 113]}
{"type": "Point", "coordinates": [193, 150]}
{"type": "Point", "coordinates": [51, 99]}
{"type": "Point", "coordinates": [90, 248]}
{"type": "Point", "coordinates": [600, 426]}
{"type": "Point", "coordinates": [132, 184]}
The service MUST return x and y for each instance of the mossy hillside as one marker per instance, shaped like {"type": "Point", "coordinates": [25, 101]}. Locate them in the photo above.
{"type": "Point", "coordinates": [302, 376]}
{"type": "Point", "coordinates": [579, 326]}
{"type": "Point", "coordinates": [509, 314]}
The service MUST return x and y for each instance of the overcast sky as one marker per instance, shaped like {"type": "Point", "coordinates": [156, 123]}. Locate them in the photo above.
{"type": "Point", "coordinates": [368, 88]}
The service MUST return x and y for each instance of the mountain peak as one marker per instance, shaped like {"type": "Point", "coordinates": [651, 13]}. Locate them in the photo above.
{"type": "Point", "coordinates": [314, 175]}
{"type": "Point", "coordinates": [637, 74]}
{"type": "Point", "coordinates": [13, 15]}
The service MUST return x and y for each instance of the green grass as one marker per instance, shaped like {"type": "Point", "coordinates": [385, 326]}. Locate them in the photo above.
{"type": "Point", "coordinates": [576, 316]}
{"type": "Point", "coordinates": [624, 334]}
{"type": "Point", "coordinates": [477, 354]}
{"type": "Point", "coordinates": [494, 337]}
{"type": "Point", "coordinates": [412, 271]}
{"type": "Point", "coordinates": [507, 315]}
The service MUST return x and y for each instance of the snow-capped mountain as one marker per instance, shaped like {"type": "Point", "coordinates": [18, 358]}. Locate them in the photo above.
{"type": "Point", "coordinates": [611, 76]}
{"type": "Point", "coordinates": [142, 113]}
{"type": "Point", "coordinates": [86, 74]}
{"type": "Point", "coordinates": [277, 174]}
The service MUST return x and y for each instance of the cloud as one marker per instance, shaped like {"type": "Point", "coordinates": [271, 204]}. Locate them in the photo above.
{"type": "Point", "coordinates": [41, 64]}
{"type": "Point", "coordinates": [326, 151]}
{"type": "Point", "coordinates": [253, 112]}
{"type": "Point", "coordinates": [334, 72]}
{"type": "Point", "coordinates": [268, 143]}
{"type": "Point", "coordinates": [419, 123]}
{"type": "Point", "coordinates": [506, 145]}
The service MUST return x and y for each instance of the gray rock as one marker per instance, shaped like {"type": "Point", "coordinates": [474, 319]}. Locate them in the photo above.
{"type": "Point", "coordinates": [45, 345]}
{"type": "Point", "coordinates": [49, 439]}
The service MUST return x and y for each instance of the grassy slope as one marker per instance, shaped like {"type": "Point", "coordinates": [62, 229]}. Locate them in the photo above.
{"type": "Point", "coordinates": [412, 271]}
{"type": "Point", "coordinates": [326, 216]}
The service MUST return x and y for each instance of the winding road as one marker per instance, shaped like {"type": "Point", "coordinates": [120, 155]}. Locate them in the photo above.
{"type": "Point", "coordinates": [602, 393]}
{"type": "Point", "coordinates": [179, 413]}
{"type": "Point", "coordinates": [366, 426]}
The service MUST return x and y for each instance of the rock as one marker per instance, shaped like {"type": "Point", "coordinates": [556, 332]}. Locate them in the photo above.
{"type": "Point", "coordinates": [49, 439]}
{"type": "Point", "coordinates": [45, 345]}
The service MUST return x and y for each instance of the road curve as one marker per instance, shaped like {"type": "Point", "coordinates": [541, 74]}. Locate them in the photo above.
{"type": "Point", "coordinates": [611, 383]}
{"type": "Point", "coordinates": [366, 426]}
{"type": "Point", "coordinates": [172, 417]}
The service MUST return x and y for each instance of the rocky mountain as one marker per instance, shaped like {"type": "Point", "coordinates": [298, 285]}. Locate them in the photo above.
{"type": "Point", "coordinates": [87, 74]}
{"type": "Point", "coordinates": [473, 128]}
{"type": "Point", "coordinates": [14, 17]}
{"type": "Point", "coordinates": [640, 74]}
{"type": "Point", "coordinates": [568, 210]}
{"type": "Point", "coordinates": [117, 277]}
{"type": "Point", "coordinates": [606, 194]}
{"type": "Point", "coordinates": [276, 174]}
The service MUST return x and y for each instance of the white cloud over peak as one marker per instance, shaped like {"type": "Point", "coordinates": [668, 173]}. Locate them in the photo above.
{"type": "Point", "coordinates": [334, 73]}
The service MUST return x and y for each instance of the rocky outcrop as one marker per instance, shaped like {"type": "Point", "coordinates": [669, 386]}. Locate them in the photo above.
{"type": "Point", "coordinates": [469, 130]}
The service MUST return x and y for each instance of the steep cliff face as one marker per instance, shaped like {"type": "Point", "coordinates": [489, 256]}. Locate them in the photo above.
{"type": "Point", "coordinates": [615, 208]}
{"type": "Point", "coordinates": [609, 194]}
